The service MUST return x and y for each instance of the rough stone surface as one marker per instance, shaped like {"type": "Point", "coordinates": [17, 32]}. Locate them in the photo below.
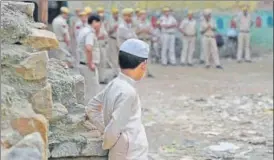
{"type": "Point", "coordinates": [58, 112]}
{"type": "Point", "coordinates": [34, 67]}
{"type": "Point", "coordinates": [42, 101]}
{"type": "Point", "coordinates": [30, 147]}
{"type": "Point", "coordinates": [68, 149]}
{"type": "Point", "coordinates": [14, 23]}
{"type": "Point", "coordinates": [62, 83]}
{"type": "Point", "coordinates": [93, 148]}
{"type": "Point", "coordinates": [79, 88]}
{"type": "Point", "coordinates": [41, 39]}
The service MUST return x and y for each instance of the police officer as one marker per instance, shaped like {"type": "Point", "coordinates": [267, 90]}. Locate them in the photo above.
{"type": "Point", "coordinates": [168, 24]}
{"type": "Point", "coordinates": [144, 32]}
{"type": "Point", "coordinates": [112, 42]}
{"type": "Point", "coordinates": [208, 28]}
{"type": "Point", "coordinates": [104, 66]}
{"type": "Point", "coordinates": [125, 29]}
{"type": "Point", "coordinates": [156, 42]}
{"type": "Point", "coordinates": [188, 29]}
{"type": "Point", "coordinates": [81, 23]}
{"type": "Point", "coordinates": [61, 29]}
{"type": "Point", "coordinates": [89, 51]}
{"type": "Point", "coordinates": [245, 23]}
{"type": "Point", "coordinates": [136, 16]}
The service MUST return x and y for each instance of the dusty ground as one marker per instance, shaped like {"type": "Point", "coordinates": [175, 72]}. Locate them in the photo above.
{"type": "Point", "coordinates": [183, 117]}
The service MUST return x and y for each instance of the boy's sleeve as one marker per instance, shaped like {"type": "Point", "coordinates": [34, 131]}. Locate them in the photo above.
{"type": "Point", "coordinates": [94, 111]}
{"type": "Point", "coordinates": [120, 117]}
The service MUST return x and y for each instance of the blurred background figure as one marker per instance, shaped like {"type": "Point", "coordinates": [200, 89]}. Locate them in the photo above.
{"type": "Point", "coordinates": [113, 49]}
{"type": "Point", "coordinates": [245, 23]}
{"type": "Point", "coordinates": [168, 24]}
{"type": "Point", "coordinates": [210, 49]}
{"type": "Point", "coordinates": [61, 29]}
{"type": "Point", "coordinates": [232, 34]}
{"type": "Point", "coordinates": [188, 29]}
{"type": "Point", "coordinates": [156, 42]}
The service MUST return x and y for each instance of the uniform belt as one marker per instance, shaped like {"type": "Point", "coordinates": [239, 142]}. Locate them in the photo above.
{"type": "Point", "coordinates": [83, 63]}
{"type": "Point", "coordinates": [190, 35]}
{"type": "Point", "coordinates": [244, 31]}
{"type": "Point", "coordinates": [169, 33]}
{"type": "Point", "coordinates": [209, 36]}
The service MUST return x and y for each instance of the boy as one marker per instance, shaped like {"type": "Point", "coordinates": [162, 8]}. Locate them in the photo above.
{"type": "Point", "coordinates": [116, 111]}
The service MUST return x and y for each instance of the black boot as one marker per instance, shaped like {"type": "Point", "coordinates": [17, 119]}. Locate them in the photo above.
{"type": "Point", "coordinates": [219, 67]}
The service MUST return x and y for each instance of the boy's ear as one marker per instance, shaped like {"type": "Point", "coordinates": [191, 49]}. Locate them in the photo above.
{"type": "Point", "coordinates": [143, 65]}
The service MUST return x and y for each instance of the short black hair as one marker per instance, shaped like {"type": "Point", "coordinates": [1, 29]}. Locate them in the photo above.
{"type": "Point", "coordinates": [129, 61]}
{"type": "Point", "coordinates": [93, 17]}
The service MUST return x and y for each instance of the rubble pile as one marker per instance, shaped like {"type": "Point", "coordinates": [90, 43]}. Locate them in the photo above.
{"type": "Point", "coordinates": [41, 112]}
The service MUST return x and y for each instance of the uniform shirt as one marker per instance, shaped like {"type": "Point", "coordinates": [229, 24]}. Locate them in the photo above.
{"type": "Point", "coordinates": [143, 25]}
{"type": "Point", "coordinates": [78, 26]}
{"type": "Point", "coordinates": [112, 23]}
{"type": "Point", "coordinates": [156, 34]}
{"type": "Point", "coordinates": [121, 113]}
{"type": "Point", "coordinates": [168, 20]}
{"type": "Point", "coordinates": [244, 22]}
{"type": "Point", "coordinates": [125, 31]}
{"type": "Point", "coordinates": [189, 27]}
{"type": "Point", "coordinates": [205, 24]}
{"type": "Point", "coordinates": [88, 36]}
{"type": "Point", "coordinates": [60, 27]}
{"type": "Point", "coordinates": [103, 30]}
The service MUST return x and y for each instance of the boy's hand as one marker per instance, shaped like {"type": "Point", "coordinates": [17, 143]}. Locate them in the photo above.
{"type": "Point", "coordinates": [100, 108]}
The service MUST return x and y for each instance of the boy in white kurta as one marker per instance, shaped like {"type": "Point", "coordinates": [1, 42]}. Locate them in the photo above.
{"type": "Point", "coordinates": [116, 111]}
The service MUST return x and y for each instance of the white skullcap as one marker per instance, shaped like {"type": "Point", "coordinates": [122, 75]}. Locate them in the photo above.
{"type": "Point", "coordinates": [135, 47]}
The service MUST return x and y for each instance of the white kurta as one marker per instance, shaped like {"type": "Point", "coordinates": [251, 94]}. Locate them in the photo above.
{"type": "Point", "coordinates": [119, 119]}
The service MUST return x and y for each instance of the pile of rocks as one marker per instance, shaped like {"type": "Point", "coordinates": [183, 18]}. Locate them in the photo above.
{"type": "Point", "coordinates": [41, 112]}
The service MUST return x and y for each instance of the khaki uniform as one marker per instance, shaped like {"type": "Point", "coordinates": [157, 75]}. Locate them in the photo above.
{"type": "Point", "coordinates": [104, 65]}
{"type": "Point", "coordinates": [61, 28]}
{"type": "Point", "coordinates": [202, 55]}
{"type": "Point", "coordinates": [168, 40]}
{"type": "Point", "coordinates": [125, 31]}
{"type": "Point", "coordinates": [144, 36]}
{"type": "Point", "coordinates": [189, 39]}
{"type": "Point", "coordinates": [113, 49]}
{"type": "Point", "coordinates": [244, 37]}
{"type": "Point", "coordinates": [156, 42]}
{"type": "Point", "coordinates": [120, 120]}
{"type": "Point", "coordinates": [87, 36]}
{"type": "Point", "coordinates": [209, 42]}
{"type": "Point", "coordinates": [78, 26]}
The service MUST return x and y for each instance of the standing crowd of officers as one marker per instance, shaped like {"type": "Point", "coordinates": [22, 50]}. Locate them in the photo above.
{"type": "Point", "coordinates": [95, 41]}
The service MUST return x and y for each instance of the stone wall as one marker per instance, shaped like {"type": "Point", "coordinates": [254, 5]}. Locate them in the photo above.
{"type": "Point", "coordinates": [41, 112]}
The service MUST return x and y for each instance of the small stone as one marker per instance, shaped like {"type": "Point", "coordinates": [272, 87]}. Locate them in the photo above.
{"type": "Point", "coordinates": [66, 149]}
{"type": "Point", "coordinates": [34, 67]}
{"type": "Point", "coordinates": [187, 158]}
{"type": "Point", "coordinates": [257, 140]}
{"type": "Point", "coordinates": [58, 112]}
{"type": "Point", "coordinates": [223, 147]}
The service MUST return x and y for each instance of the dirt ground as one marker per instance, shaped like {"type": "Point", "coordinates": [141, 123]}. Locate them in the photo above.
{"type": "Point", "coordinates": [179, 129]}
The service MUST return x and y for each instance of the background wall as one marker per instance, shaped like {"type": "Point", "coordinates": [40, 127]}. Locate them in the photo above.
{"type": "Point", "coordinates": [223, 11]}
